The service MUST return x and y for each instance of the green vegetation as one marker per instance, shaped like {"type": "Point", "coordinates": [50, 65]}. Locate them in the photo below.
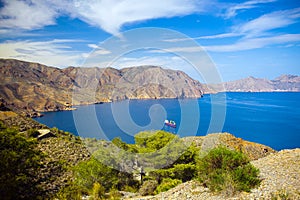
{"type": "Point", "coordinates": [285, 194]}
{"type": "Point", "coordinates": [220, 169]}
{"type": "Point", "coordinates": [165, 158]}
{"type": "Point", "coordinates": [19, 165]}
{"type": "Point", "coordinates": [228, 171]}
{"type": "Point", "coordinates": [148, 188]}
{"type": "Point", "coordinates": [167, 184]}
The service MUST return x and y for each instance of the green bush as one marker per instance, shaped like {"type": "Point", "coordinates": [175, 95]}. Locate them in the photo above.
{"type": "Point", "coordinates": [228, 171]}
{"type": "Point", "coordinates": [153, 140]}
{"type": "Point", "coordinates": [32, 133]}
{"type": "Point", "coordinates": [19, 166]}
{"type": "Point", "coordinates": [148, 187]}
{"type": "Point", "coordinates": [71, 191]}
{"type": "Point", "coordinates": [98, 191]}
{"type": "Point", "coordinates": [87, 173]}
{"type": "Point", "coordinates": [167, 184]}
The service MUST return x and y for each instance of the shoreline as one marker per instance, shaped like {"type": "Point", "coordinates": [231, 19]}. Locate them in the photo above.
{"type": "Point", "coordinates": [39, 113]}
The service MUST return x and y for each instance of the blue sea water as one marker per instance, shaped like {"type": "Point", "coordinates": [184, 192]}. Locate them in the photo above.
{"type": "Point", "coordinates": [272, 119]}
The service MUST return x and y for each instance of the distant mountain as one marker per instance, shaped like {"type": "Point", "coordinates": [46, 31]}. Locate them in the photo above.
{"type": "Point", "coordinates": [35, 87]}
{"type": "Point", "coordinates": [284, 83]}
{"type": "Point", "coordinates": [30, 87]}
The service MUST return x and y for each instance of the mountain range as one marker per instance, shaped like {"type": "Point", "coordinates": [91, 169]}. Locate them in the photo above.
{"type": "Point", "coordinates": [283, 83]}
{"type": "Point", "coordinates": [32, 87]}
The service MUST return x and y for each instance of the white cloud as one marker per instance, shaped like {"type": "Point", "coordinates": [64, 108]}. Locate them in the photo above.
{"type": "Point", "coordinates": [269, 22]}
{"type": "Point", "coordinates": [233, 10]}
{"type": "Point", "coordinates": [259, 32]}
{"type": "Point", "coordinates": [55, 52]}
{"type": "Point", "coordinates": [109, 15]}
{"type": "Point", "coordinates": [261, 25]}
{"type": "Point", "coordinates": [98, 50]}
{"type": "Point", "coordinates": [254, 43]}
{"type": "Point", "coordinates": [191, 49]}
{"type": "Point", "coordinates": [26, 14]}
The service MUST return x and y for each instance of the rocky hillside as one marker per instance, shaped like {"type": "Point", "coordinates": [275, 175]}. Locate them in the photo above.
{"type": "Point", "coordinates": [283, 83]}
{"type": "Point", "coordinates": [34, 87]}
{"type": "Point", "coordinates": [61, 151]}
{"type": "Point", "coordinates": [279, 171]}
{"type": "Point", "coordinates": [252, 150]}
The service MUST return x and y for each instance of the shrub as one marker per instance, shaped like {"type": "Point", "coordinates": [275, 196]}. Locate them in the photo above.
{"type": "Point", "coordinates": [32, 133]}
{"type": "Point", "coordinates": [88, 173]}
{"type": "Point", "coordinates": [167, 184]}
{"type": "Point", "coordinates": [184, 172]}
{"type": "Point", "coordinates": [19, 166]}
{"type": "Point", "coordinates": [98, 191]}
{"type": "Point", "coordinates": [91, 171]}
{"type": "Point", "coordinates": [71, 191]}
{"type": "Point", "coordinates": [228, 171]}
{"type": "Point", "coordinates": [114, 194]}
{"type": "Point", "coordinates": [153, 140]}
{"type": "Point", "coordinates": [148, 187]}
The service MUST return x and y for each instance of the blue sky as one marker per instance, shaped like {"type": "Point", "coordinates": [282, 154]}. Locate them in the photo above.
{"type": "Point", "coordinates": [258, 38]}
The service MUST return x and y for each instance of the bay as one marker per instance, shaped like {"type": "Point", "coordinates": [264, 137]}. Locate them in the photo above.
{"type": "Point", "coordinates": [272, 119]}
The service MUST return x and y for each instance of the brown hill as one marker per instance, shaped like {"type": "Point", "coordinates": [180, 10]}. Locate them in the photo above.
{"type": "Point", "coordinates": [34, 87]}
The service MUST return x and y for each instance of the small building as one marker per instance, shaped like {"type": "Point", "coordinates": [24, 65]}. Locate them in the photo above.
{"type": "Point", "coordinates": [45, 133]}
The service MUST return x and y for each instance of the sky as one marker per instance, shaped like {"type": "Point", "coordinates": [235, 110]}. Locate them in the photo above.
{"type": "Point", "coordinates": [259, 38]}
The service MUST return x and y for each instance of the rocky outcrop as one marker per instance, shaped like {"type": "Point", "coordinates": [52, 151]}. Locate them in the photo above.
{"type": "Point", "coordinates": [32, 87]}
{"type": "Point", "coordinates": [251, 149]}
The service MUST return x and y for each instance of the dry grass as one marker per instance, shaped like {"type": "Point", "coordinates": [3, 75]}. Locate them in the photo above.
{"type": "Point", "coordinates": [7, 114]}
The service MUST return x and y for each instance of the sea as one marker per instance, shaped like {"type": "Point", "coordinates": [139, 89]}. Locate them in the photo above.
{"type": "Point", "coordinates": [269, 118]}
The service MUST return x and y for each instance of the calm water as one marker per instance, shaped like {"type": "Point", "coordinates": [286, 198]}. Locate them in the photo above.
{"type": "Point", "coordinates": [272, 119]}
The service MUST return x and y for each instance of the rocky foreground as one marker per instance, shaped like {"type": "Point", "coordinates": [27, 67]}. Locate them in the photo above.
{"type": "Point", "coordinates": [280, 174]}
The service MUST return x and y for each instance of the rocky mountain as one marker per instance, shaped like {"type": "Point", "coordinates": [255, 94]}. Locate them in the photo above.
{"type": "Point", "coordinates": [283, 83]}
{"type": "Point", "coordinates": [34, 87]}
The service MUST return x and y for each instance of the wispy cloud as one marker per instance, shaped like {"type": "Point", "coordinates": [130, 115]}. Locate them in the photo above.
{"type": "Point", "coordinates": [261, 25]}
{"type": "Point", "coordinates": [232, 11]}
{"type": "Point", "coordinates": [255, 43]}
{"type": "Point", "coordinates": [263, 31]}
{"type": "Point", "coordinates": [97, 50]}
{"type": "Point", "coordinates": [109, 15]}
{"type": "Point", "coordinates": [268, 22]}
{"type": "Point", "coordinates": [55, 52]}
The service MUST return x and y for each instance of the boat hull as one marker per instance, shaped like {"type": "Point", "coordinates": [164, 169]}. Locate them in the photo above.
{"type": "Point", "coordinates": [171, 125]}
